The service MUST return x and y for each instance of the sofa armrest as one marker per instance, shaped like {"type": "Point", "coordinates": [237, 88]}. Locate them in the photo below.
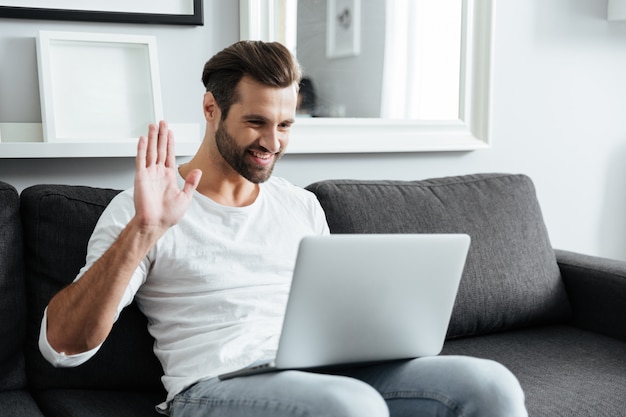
{"type": "Point", "coordinates": [597, 291]}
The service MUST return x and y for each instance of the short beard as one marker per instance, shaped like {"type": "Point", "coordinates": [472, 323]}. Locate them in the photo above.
{"type": "Point", "coordinates": [236, 157]}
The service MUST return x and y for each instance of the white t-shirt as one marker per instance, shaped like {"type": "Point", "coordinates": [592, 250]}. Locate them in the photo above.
{"type": "Point", "coordinates": [214, 288]}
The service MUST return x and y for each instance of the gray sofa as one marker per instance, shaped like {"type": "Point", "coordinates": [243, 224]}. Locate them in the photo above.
{"type": "Point", "coordinates": [555, 318]}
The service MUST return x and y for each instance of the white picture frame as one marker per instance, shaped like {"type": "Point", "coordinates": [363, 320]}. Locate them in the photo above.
{"type": "Point", "coordinates": [97, 87]}
{"type": "Point", "coordinates": [343, 28]}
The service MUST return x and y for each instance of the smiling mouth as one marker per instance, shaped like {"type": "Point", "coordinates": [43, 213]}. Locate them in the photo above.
{"type": "Point", "coordinates": [261, 157]}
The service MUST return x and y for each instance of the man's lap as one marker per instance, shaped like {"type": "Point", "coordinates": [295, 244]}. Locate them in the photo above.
{"type": "Point", "coordinates": [438, 386]}
{"type": "Point", "coordinates": [286, 393]}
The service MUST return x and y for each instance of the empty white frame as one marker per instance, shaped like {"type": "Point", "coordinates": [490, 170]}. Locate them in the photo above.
{"type": "Point", "coordinates": [97, 87]}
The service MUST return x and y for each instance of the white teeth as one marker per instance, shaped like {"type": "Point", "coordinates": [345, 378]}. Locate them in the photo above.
{"type": "Point", "coordinates": [261, 155]}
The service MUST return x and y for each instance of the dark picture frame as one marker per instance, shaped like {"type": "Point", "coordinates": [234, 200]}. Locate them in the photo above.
{"type": "Point", "coordinates": [51, 13]}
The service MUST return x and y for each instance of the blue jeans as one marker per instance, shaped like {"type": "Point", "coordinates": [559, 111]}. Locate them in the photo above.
{"type": "Point", "coordinates": [439, 386]}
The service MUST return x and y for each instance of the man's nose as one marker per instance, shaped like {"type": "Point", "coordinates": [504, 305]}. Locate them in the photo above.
{"type": "Point", "coordinates": [271, 139]}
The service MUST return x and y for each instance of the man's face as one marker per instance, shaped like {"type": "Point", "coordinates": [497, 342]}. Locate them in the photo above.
{"type": "Point", "coordinates": [256, 132]}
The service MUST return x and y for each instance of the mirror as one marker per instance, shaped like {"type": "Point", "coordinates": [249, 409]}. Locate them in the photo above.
{"type": "Point", "coordinates": [460, 123]}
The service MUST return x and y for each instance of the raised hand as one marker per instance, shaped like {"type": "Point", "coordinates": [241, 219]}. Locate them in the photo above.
{"type": "Point", "coordinates": [80, 317]}
{"type": "Point", "coordinates": [159, 202]}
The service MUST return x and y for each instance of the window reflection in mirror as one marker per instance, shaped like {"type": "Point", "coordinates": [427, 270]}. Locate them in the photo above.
{"type": "Point", "coordinates": [392, 59]}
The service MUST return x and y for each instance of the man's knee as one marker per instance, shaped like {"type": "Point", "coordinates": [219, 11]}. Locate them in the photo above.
{"type": "Point", "coordinates": [493, 386]}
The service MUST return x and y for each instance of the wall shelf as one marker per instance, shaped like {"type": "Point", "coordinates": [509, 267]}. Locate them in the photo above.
{"type": "Point", "coordinates": [81, 150]}
{"type": "Point", "coordinates": [13, 144]}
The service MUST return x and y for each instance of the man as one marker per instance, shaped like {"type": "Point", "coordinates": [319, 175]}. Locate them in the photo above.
{"type": "Point", "coordinates": [207, 250]}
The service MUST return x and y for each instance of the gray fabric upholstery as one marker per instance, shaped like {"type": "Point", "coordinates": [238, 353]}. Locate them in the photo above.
{"type": "Point", "coordinates": [12, 295]}
{"type": "Point", "coordinates": [18, 404]}
{"type": "Point", "coordinates": [63, 218]}
{"type": "Point", "coordinates": [511, 278]}
{"type": "Point", "coordinates": [15, 401]}
{"type": "Point", "coordinates": [565, 371]}
{"type": "Point", "coordinates": [81, 403]}
{"type": "Point", "coordinates": [597, 289]}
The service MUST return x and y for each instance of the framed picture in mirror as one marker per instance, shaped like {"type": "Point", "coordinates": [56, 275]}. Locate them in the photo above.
{"type": "Point", "coordinates": [343, 28]}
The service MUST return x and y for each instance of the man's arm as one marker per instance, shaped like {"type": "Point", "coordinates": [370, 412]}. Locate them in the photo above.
{"type": "Point", "coordinates": [81, 316]}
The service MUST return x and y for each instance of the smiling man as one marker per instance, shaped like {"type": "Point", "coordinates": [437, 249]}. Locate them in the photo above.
{"type": "Point", "coordinates": [208, 248]}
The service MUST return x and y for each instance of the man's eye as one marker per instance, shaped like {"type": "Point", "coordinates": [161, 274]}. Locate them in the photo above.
{"type": "Point", "coordinates": [255, 122]}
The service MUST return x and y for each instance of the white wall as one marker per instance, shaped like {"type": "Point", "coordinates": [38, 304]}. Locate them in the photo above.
{"type": "Point", "coordinates": [558, 113]}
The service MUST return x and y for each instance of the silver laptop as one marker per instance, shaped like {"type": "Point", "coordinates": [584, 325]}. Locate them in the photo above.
{"type": "Point", "coordinates": [368, 298]}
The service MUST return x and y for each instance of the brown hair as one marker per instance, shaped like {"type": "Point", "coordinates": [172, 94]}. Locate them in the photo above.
{"type": "Point", "coordinates": [269, 63]}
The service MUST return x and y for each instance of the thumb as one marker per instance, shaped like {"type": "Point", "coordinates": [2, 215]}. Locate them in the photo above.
{"type": "Point", "coordinates": [191, 182]}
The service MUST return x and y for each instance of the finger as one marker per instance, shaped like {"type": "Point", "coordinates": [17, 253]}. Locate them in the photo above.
{"type": "Point", "coordinates": [170, 160]}
{"type": "Point", "coordinates": [140, 161]}
{"type": "Point", "coordinates": [151, 148]}
{"type": "Point", "coordinates": [163, 139]}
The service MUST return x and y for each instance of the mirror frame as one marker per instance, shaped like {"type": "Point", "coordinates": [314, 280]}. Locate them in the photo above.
{"type": "Point", "coordinates": [371, 135]}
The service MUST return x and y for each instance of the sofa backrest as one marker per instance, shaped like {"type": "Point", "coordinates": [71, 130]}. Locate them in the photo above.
{"type": "Point", "coordinates": [12, 295]}
{"type": "Point", "coordinates": [511, 278]}
{"type": "Point", "coordinates": [58, 221]}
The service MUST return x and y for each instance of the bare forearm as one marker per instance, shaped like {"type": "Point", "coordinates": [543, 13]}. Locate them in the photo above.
{"type": "Point", "coordinates": [81, 316]}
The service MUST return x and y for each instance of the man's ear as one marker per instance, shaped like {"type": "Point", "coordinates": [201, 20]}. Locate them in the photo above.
{"type": "Point", "coordinates": [210, 107]}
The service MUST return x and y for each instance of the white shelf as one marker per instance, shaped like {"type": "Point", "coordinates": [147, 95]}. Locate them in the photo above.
{"type": "Point", "coordinates": [81, 150]}
{"type": "Point", "coordinates": [14, 144]}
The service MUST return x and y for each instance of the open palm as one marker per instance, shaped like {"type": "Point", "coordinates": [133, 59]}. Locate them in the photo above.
{"type": "Point", "coordinates": [159, 202]}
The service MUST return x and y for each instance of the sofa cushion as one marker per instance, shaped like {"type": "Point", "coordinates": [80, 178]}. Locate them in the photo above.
{"type": "Point", "coordinates": [58, 221]}
{"type": "Point", "coordinates": [564, 370]}
{"type": "Point", "coordinates": [81, 403]}
{"type": "Point", "coordinates": [12, 293]}
{"type": "Point", "coordinates": [18, 404]}
{"type": "Point", "coordinates": [511, 278]}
